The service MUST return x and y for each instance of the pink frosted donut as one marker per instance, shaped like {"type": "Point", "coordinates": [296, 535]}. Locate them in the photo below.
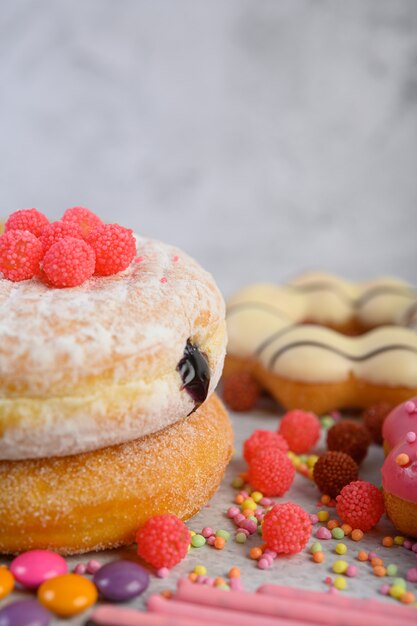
{"type": "Point", "coordinates": [399, 422]}
{"type": "Point", "coordinates": [399, 481]}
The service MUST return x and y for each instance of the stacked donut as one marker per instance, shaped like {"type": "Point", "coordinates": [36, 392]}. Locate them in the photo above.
{"type": "Point", "coordinates": [107, 411]}
{"type": "Point", "coordinates": [321, 343]}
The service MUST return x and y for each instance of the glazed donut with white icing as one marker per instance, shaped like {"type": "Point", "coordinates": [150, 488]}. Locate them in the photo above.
{"type": "Point", "coordinates": [109, 361]}
{"type": "Point", "coordinates": [322, 343]}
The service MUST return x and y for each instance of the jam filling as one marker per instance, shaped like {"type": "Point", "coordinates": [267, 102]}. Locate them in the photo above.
{"type": "Point", "coordinates": [195, 374]}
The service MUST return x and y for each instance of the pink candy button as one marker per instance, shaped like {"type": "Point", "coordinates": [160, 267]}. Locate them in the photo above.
{"type": "Point", "coordinates": [32, 568]}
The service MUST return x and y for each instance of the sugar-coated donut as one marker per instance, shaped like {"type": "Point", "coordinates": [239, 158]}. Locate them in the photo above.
{"type": "Point", "coordinates": [98, 499]}
{"type": "Point", "coordinates": [399, 482]}
{"type": "Point", "coordinates": [109, 361]}
{"type": "Point", "coordinates": [401, 420]}
{"type": "Point", "coordinates": [297, 341]}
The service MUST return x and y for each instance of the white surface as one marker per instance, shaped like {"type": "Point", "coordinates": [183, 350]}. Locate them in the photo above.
{"type": "Point", "coordinates": [262, 137]}
{"type": "Point", "coordinates": [298, 570]}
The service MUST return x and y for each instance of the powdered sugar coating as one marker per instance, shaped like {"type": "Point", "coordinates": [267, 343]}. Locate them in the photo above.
{"type": "Point", "coordinates": [96, 365]}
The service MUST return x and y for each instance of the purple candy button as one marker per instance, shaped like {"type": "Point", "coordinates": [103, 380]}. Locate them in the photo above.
{"type": "Point", "coordinates": [121, 580]}
{"type": "Point", "coordinates": [24, 613]}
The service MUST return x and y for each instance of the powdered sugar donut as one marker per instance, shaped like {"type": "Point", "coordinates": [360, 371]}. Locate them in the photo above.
{"type": "Point", "coordinates": [399, 481]}
{"type": "Point", "coordinates": [109, 361]}
{"type": "Point", "coordinates": [322, 343]}
{"type": "Point", "coordinates": [401, 420]}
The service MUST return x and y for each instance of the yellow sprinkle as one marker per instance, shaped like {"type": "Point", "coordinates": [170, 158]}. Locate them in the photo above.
{"type": "Point", "coordinates": [200, 570]}
{"type": "Point", "coordinates": [396, 591]}
{"type": "Point", "coordinates": [340, 583]}
{"type": "Point", "coordinates": [256, 496]}
{"type": "Point", "coordinates": [341, 548]}
{"type": "Point", "coordinates": [312, 460]}
{"type": "Point", "coordinates": [248, 504]}
{"type": "Point", "coordinates": [340, 567]}
{"type": "Point", "coordinates": [323, 516]}
{"type": "Point", "coordinates": [402, 459]}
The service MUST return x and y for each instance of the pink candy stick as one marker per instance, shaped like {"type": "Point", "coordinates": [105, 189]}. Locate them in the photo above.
{"type": "Point", "coordinates": [273, 607]}
{"type": "Point", "coordinates": [214, 616]}
{"type": "Point", "coordinates": [340, 601]}
{"type": "Point", "coordinates": [109, 615]}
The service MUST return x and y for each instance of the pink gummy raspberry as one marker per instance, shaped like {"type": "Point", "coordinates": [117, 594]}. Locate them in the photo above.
{"type": "Point", "coordinates": [301, 429]}
{"type": "Point", "coordinates": [286, 528]}
{"type": "Point", "coordinates": [58, 230]}
{"type": "Point", "coordinates": [20, 255]}
{"type": "Point", "coordinates": [27, 219]}
{"type": "Point", "coordinates": [115, 248]}
{"type": "Point", "coordinates": [163, 541]}
{"type": "Point", "coordinates": [263, 439]}
{"type": "Point", "coordinates": [69, 262]}
{"type": "Point", "coordinates": [360, 504]}
{"type": "Point", "coordinates": [84, 218]}
{"type": "Point", "coordinates": [271, 471]}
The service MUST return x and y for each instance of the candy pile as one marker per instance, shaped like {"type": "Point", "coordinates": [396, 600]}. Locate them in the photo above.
{"type": "Point", "coordinates": [64, 253]}
{"type": "Point", "coordinates": [64, 593]}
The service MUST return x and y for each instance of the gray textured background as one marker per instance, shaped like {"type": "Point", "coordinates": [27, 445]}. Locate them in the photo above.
{"type": "Point", "coordinates": [263, 136]}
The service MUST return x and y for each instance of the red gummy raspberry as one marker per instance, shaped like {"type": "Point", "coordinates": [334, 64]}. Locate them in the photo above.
{"type": "Point", "coordinates": [286, 528]}
{"type": "Point", "coordinates": [69, 262]}
{"type": "Point", "coordinates": [263, 439]}
{"type": "Point", "coordinates": [27, 219]}
{"type": "Point", "coordinates": [360, 504]}
{"type": "Point", "coordinates": [301, 429]}
{"type": "Point", "coordinates": [163, 541]}
{"type": "Point", "coordinates": [58, 230]}
{"type": "Point", "coordinates": [115, 248]}
{"type": "Point", "coordinates": [84, 218]}
{"type": "Point", "coordinates": [271, 472]}
{"type": "Point", "coordinates": [20, 255]}
{"type": "Point", "coordinates": [240, 391]}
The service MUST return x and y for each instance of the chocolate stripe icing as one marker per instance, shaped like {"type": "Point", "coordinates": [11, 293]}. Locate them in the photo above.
{"type": "Point", "coordinates": [260, 306]}
{"type": "Point", "coordinates": [372, 292]}
{"type": "Point", "coordinates": [323, 346]}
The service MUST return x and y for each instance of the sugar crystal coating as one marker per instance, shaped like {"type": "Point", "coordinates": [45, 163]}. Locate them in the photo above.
{"type": "Point", "coordinates": [263, 439]}
{"type": "Point", "coordinates": [114, 246]}
{"type": "Point", "coordinates": [69, 262]}
{"type": "Point", "coordinates": [286, 528]}
{"type": "Point", "coordinates": [301, 429]}
{"type": "Point", "coordinates": [27, 219]}
{"type": "Point", "coordinates": [163, 541]}
{"type": "Point", "coordinates": [333, 471]}
{"type": "Point", "coordinates": [374, 417]}
{"type": "Point", "coordinates": [271, 471]}
{"type": "Point", "coordinates": [20, 255]}
{"type": "Point", "coordinates": [360, 504]}
{"type": "Point", "coordinates": [350, 437]}
{"type": "Point", "coordinates": [55, 231]}
{"type": "Point", "coordinates": [240, 391]}
{"type": "Point", "coordinates": [84, 218]}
